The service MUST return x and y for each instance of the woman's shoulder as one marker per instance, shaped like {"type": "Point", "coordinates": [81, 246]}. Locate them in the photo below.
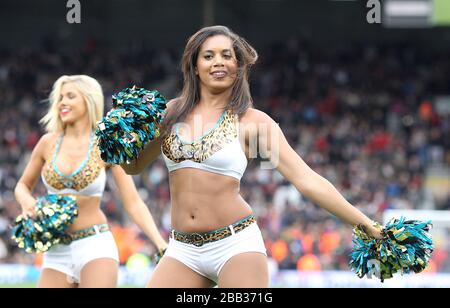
{"type": "Point", "coordinates": [253, 115]}
{"type": "Point", "coordinates": [45, 144]}
{"type": "Point", "coordinates": [48, 139]}
{"type": "Point", "coordinates": [170, 107]}
{"type": "Point", "coordinates": [171, 104]}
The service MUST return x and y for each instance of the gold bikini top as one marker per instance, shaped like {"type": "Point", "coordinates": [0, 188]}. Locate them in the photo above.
{"type": "Point", "coordinates": [89, 179]}
{"type": "Point", "coordinates": [218, 150]}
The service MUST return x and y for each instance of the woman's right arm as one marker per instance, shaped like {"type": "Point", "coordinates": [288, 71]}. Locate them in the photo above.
{"type": "Point", "coordinates": [148, 154]}
{"type": "Point", "coordinates": [26, 183]}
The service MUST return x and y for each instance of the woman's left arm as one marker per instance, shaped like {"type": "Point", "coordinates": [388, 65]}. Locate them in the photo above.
{"type": "Point", "coordinates": [273, 145]}
{"type": "Point", "coordinates": [136, 208]}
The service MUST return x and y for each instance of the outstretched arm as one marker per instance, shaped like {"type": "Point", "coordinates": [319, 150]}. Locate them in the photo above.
{"type": "Point", "coordinates": [136, 208]}
{"type": "Point", "coordinates": [273, 145]}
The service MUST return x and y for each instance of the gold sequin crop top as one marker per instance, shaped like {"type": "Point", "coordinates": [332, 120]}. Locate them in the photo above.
{"type": "Point", "coordinates": [218, 150]}
{"type": "Point", "coordinates": [88, 180]}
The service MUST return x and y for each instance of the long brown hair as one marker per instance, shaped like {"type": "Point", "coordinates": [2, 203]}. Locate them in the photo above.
{"type": "Point", "coordinates": [241, 98]}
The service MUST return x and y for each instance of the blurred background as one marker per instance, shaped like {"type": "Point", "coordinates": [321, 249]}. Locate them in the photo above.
{"type": "Point", "coordinates": [361, 90]}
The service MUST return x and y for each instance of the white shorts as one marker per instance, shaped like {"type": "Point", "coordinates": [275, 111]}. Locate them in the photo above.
{"type": "Point", "coordinates": [209, 259]}
{"type": "Point", "coordinates": [70, 259]}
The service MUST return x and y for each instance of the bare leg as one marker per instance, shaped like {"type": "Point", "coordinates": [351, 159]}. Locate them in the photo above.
{"type": "Point", "coordinates": [99, 273]}
{"type": "Point", "coordinates": [171, 273]}
{"type": "Point", "coordinates": [51, 278]}
{"type": "Point", "coordinates": [245, 270]}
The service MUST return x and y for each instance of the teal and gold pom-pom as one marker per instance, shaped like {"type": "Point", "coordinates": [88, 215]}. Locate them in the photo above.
{"type": "Point", "coordinates": [406, 247]}
{"type": "Point", "coordinates": [54, 214]}
{"type": "Point", "coordinates": [131, 123]}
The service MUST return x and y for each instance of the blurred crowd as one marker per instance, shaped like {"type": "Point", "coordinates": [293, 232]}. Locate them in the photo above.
{"type": "Point", "coordinates": [364, 117]}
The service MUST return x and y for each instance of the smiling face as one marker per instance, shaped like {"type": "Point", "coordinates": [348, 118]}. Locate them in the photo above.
{"type": "Point", "coordinates": [217, 64]}
{"type": "Point", "coordinates": [71, 104]}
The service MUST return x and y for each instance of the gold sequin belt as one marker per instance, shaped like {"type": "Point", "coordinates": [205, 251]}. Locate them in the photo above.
{"type": "Point", "coordinates": [199, 239]}
{"type": "Point", "coordinates": [83, 233]}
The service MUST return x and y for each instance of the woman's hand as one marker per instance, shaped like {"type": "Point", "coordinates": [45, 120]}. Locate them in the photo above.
{"type": "Point", "coordinates": [29, 209]}
{"type": "Point", "coordinates": [159, 255]}
{"type": "Point", "coordinates": [374, 230]}
{"type": "Point", "coordinates": [162, 245]}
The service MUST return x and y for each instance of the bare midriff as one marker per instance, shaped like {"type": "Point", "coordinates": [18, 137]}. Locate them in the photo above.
{"type": "Point", "coordinates": [89, 213]}
{"type": "Point", "coordinates": [203, 201]}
